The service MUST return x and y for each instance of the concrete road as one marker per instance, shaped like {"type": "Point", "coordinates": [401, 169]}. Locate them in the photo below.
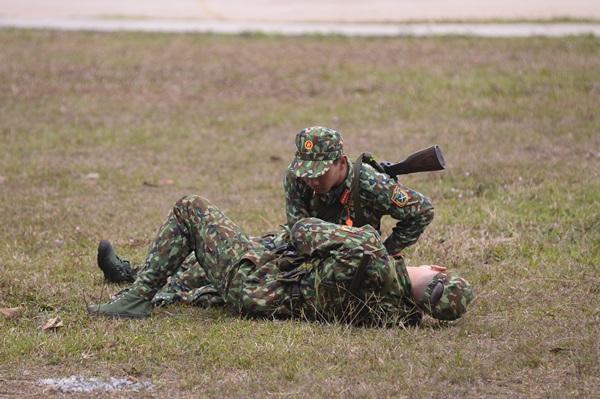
{"type": "Point", "coordinates": [377, 11]}
{"type": "Point", "coordinates": [286, 17]}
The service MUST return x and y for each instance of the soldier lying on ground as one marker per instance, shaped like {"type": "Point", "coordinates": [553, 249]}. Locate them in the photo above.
{"type": "Point", "coordinates": [324, 271]}
{"type": "Point", "coordinates": [319, 182]}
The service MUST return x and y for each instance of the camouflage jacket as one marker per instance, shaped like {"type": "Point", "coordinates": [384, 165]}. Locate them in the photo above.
{"type": "Point", "coordinates": [379, 195]}
{"type": "Point", "coordinates": [317, 270]}
{"type": "Point", "coordinates": [324, 275]}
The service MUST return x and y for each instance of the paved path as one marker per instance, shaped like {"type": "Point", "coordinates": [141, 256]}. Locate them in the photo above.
{"type": "Point", "coordinates": [287, 17]}
{"type": "Point", "coordinates": [293, 29]}
{"type": "Point", "coordinates": [304, 10]}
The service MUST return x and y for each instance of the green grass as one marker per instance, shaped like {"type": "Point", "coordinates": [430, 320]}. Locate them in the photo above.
{"type": "Point", "coordinates": [517, 211]}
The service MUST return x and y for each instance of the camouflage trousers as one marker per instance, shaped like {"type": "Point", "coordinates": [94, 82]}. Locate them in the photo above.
{"type": "Point", "coordinates": [326, 278]}
{"type": "Point", "coordinates": [191, 285]}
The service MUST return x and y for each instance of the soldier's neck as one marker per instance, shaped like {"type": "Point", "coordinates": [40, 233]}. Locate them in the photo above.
{"type": "Point", "coordinates": [343, 173]}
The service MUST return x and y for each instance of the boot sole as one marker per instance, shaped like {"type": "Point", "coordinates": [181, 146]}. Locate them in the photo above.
{"type": "Point", "coordinates": [104, 249]}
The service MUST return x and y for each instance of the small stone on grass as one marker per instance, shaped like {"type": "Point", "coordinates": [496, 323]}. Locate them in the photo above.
{"type": "Point", "coordinates": [77, 383]}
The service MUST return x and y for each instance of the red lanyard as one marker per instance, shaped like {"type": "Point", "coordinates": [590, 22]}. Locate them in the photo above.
{"type": "Point", "coordinates": [344, 199]}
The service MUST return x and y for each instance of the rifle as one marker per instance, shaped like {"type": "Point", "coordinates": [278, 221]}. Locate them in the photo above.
{"type": "Point", "coordinates": [426, 160]}
{"type": "Point", "coordinates": [429, 159]}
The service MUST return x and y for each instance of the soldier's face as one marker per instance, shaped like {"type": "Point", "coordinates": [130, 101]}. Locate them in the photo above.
{"type": "Point", "coordinates": [332, 178]}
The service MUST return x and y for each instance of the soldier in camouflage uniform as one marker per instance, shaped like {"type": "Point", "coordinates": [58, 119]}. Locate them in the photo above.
{"type": "Point", "coordinates": [188, 285]}
{"type": "Point", "coordinates": [321, 271]}
{"type": "Point", "coordinates": [320, 182]}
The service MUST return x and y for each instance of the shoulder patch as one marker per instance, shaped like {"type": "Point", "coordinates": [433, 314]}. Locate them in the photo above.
{"type": "Point", "coordinates": [400, 197]}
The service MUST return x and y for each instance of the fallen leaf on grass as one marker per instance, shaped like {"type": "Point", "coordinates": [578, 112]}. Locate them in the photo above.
{"type": "Point", "coordinates": [52, 324]}
{"type": "Point", "coordinates": [11, 313]}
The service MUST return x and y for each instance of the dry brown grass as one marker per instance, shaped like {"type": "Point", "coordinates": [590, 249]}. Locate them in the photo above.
{"type": "Point", "coordinates": [517, 212]}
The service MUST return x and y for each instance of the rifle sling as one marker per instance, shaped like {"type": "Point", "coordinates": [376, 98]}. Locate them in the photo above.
{"type": "Point", "coordinates": [359, 217]}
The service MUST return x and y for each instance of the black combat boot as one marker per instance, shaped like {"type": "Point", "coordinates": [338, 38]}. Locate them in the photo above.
{"type": "Point", "coordinates": [114, 268]}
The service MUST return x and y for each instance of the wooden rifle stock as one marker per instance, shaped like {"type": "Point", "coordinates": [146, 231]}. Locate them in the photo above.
{"type": "Point", "coordinates": [429, 159]}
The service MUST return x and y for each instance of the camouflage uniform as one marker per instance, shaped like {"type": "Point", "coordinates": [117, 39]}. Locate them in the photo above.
{"type": "Point", "coordinates": [316, 272]}
{"type": "Point", "coordinates": [317, 148]}
{"type": "Point", "coordinates": [191, 285]}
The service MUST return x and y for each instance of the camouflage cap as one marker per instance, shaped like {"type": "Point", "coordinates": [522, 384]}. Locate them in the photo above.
{"type": "Point", "coordinates": [316, 149]}
{"type": "Point", "coordinates": [454, 294]}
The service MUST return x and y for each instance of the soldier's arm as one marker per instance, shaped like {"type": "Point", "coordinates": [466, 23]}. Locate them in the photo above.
{"type": "Point", "coordinates": [297, 198]}
{"type": "Point", "coordinates": [412, 210]}
{"type": "Point", "coordinates": [314, 237]}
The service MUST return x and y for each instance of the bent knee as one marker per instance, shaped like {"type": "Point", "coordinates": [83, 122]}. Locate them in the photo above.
{"type": "Point", "coordinates": [193, 201]}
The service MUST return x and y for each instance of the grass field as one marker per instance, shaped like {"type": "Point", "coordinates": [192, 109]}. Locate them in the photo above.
{"type": "Point", "coordinates": [93, 126]}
